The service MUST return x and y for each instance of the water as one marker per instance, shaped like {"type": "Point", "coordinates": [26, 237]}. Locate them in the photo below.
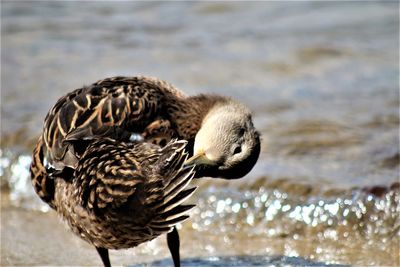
{"type": "Point", "coordinates": [321, 78]}
{"type": "Point", "coordinates": [242, 261]}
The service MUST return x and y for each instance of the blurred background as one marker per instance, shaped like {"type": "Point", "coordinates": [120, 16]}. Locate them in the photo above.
{"type": "Point", "coordinates": [321, 77]}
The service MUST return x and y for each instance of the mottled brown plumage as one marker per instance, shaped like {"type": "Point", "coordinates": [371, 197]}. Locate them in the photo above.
{"type": "Point", "coordinates": [124, 194]}
{"type": "Point", "coordinates": [120, 194]}
{"type": "Point", "coordinates": [96, 157]}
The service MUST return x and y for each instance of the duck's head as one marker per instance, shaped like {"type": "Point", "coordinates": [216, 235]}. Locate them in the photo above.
{"type": "Point", "coordinates": [227, 144]}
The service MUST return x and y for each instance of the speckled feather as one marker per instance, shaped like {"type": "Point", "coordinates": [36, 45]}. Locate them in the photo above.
{"type": "Point", "coordinates": [115, 108]}
{"type": "Point", "coordinates": [124, 194]}
{"type": "Point", "coordinates": [112, 107]}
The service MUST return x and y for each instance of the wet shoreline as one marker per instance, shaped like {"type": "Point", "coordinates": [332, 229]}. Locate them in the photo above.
{"type": "Point", "coordinates": [266, 223]}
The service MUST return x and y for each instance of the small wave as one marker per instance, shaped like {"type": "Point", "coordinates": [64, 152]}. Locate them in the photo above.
{"type": "Point", "coordinates": [274, 212]}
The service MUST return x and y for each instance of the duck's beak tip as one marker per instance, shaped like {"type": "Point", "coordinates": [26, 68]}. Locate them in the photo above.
{"type": "Point", "coordinates": [199, 158]}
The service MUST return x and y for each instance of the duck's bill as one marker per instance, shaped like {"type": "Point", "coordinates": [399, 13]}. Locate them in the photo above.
{"type": "Point", "coordinates": [199, 159]}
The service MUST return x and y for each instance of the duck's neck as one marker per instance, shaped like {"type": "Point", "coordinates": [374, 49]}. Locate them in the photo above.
{"type": "Point", "coordinates": [190, 114]}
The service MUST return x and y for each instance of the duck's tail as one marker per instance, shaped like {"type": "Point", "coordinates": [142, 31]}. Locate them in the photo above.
{"type": "Point", "coordinates": [169, 208]}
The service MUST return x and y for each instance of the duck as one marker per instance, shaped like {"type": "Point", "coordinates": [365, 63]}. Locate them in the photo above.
{"type": "Point", "coordinates": [98, 141]}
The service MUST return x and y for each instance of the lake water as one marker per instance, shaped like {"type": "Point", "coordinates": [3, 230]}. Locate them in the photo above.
{"type": "Point", "coordinates": [321, 78]}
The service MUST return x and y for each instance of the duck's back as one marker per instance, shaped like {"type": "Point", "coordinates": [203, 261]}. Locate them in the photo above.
{"type": "Point", "coordinates": [113, 107]}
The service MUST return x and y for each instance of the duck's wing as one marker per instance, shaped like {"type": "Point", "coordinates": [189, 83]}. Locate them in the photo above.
{"type": "Point", "coordinates": [114, 107]}
{"type": "Point", "coordinates": [135, 181]}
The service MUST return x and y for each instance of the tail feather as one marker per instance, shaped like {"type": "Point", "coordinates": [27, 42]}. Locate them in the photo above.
{"type": "Point", "coordinates": [174, 213]}
{"type": "Point", "coordinates": [177, 200]}
{"type": "Point", "coordinates": [177, 186]}
{"type": "Point", "coordinates": [158, 230]}
{"type": "Point", "coordinates": [169, 223]}
{"type": "Point", "coordinates": [172, 157]}
{"type": "Point", "coordinates": [169, 208]}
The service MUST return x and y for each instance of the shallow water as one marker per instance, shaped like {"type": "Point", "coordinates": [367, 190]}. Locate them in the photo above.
{"type": "Point", "coordinates": [241, 261]}
{"type": "Point", "coordinates": [321, 78]}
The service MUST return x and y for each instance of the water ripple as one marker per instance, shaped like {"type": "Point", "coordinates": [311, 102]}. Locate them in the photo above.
{"type": "Point", "coordinates": [271, 212]}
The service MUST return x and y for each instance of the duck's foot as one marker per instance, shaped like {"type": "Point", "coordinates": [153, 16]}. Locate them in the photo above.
{"type": "Point", "coordinates": [173, 245]}
{"type": "Point", "coordinates": [103, 252]}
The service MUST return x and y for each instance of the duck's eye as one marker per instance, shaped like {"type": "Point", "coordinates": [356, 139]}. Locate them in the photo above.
{"type": "Point", "coordinates": [237, 150]}
{"type": "Point", "coordinates": [241, 131]}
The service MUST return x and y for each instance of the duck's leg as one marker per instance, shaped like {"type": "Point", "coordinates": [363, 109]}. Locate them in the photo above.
{"type": "Point", "coordinates": [173, 245]}
{"type": "Point", "coordinates": [103, 252]}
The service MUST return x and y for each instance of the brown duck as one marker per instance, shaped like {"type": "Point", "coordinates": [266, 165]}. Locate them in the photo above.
{"type": "Point", "coordinates": [110, 163]}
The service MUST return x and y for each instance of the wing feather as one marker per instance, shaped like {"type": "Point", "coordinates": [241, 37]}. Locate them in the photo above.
{"type": "Point", "coordinates": [96, 111]}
